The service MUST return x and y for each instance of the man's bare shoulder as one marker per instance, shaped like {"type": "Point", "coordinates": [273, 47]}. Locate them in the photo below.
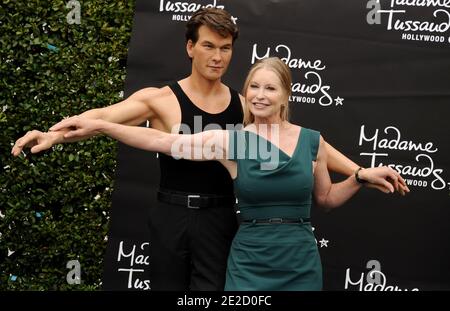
{"type": "Point", "coordinates": [151, 94]}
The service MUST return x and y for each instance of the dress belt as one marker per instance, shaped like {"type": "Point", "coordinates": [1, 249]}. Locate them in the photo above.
{"type": "Point", "coordinates": [277, 221]}
{"type": "Point", "coordinates": [195, 201]}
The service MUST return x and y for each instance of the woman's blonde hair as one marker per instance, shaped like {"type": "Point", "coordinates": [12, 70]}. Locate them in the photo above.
{"type": "Point", "coordinates": [283, 73]}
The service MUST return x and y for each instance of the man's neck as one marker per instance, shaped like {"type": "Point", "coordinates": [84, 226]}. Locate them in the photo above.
{"type": "Point", "coordinates": [198, 84]}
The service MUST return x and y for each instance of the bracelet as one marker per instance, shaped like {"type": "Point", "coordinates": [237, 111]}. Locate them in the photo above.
{"type": "Point", "coordinates": [359, 180]}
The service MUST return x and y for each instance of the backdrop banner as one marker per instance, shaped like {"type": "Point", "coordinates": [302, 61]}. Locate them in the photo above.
{"type": "Point", "coordinates": [372, 77]}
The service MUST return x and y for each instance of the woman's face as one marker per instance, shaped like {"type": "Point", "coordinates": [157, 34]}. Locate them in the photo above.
{"type": "Point", "coordinates": [265, 94]}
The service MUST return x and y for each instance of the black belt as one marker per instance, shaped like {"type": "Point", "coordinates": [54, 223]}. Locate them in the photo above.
{"type": "Point", "coordinates": [196, 201]}
{"type": "Point", "coordinates": [277, 221]}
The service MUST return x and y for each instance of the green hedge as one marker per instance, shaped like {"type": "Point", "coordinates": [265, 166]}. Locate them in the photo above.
{"type": "Point", "coordinates": [54, 205]}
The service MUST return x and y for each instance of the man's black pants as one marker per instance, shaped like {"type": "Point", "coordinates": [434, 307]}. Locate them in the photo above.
{"type": "Point", "coordinates": [189, 247]}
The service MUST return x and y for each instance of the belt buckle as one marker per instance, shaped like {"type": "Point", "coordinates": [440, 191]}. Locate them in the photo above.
{"type": "Point", "coordinates": [192, 196]}
{"type": "Point", "coordinates": [276, 220]}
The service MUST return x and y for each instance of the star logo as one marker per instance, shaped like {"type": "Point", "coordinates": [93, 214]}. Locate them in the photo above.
{"type": "Point", "coordinates": [323, 243]}
{"type": "Point", "coordinates": [339, 101]}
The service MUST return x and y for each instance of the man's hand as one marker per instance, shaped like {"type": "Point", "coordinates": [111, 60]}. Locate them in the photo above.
{"type": "Point", "coordinates": [77, 127]}
{"type": "Point", "coordinates": [36, 140]}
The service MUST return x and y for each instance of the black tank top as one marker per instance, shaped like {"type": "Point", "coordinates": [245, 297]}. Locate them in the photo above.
{"type": "Point", "coordinates": [199, 177]}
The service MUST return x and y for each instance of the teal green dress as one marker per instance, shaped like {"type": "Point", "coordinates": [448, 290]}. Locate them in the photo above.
{"type": "Point", "coordinates": [270, 256]}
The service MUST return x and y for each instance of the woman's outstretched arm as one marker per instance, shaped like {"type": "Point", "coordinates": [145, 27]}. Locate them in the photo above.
{"type": "Point", "coordinates": [209, 145]}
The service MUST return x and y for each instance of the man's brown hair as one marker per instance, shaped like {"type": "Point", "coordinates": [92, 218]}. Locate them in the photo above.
{"type": "Point", "coordinates": [217, 19]}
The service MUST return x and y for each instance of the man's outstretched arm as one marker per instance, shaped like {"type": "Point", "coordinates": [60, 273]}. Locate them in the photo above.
{"type": "Point", "coordinates": [134, 110]}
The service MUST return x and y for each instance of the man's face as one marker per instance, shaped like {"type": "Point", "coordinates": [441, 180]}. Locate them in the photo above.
{"type": "Point", "coordinates": [211, 54]}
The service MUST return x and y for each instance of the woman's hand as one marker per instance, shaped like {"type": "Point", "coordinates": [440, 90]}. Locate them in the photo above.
{"type": "Point", "coordinates": [78, 127]}
{"type": "Point", "coordinates": [384, 178]}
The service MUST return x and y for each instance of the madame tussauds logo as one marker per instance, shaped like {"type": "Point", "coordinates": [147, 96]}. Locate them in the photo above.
{"type": "Point", "coordinates": [313, 90]}
{"type": "Point", "coordinates": [433, 24]}
{"type": "Point", "coordinates": [183, 10]}
{"type": "Point", "coordinates": [374, 280]}
{"type": "Point", "coordinates": [423, 174]}
{"type": "Point", "coordinates": [132, 262]}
